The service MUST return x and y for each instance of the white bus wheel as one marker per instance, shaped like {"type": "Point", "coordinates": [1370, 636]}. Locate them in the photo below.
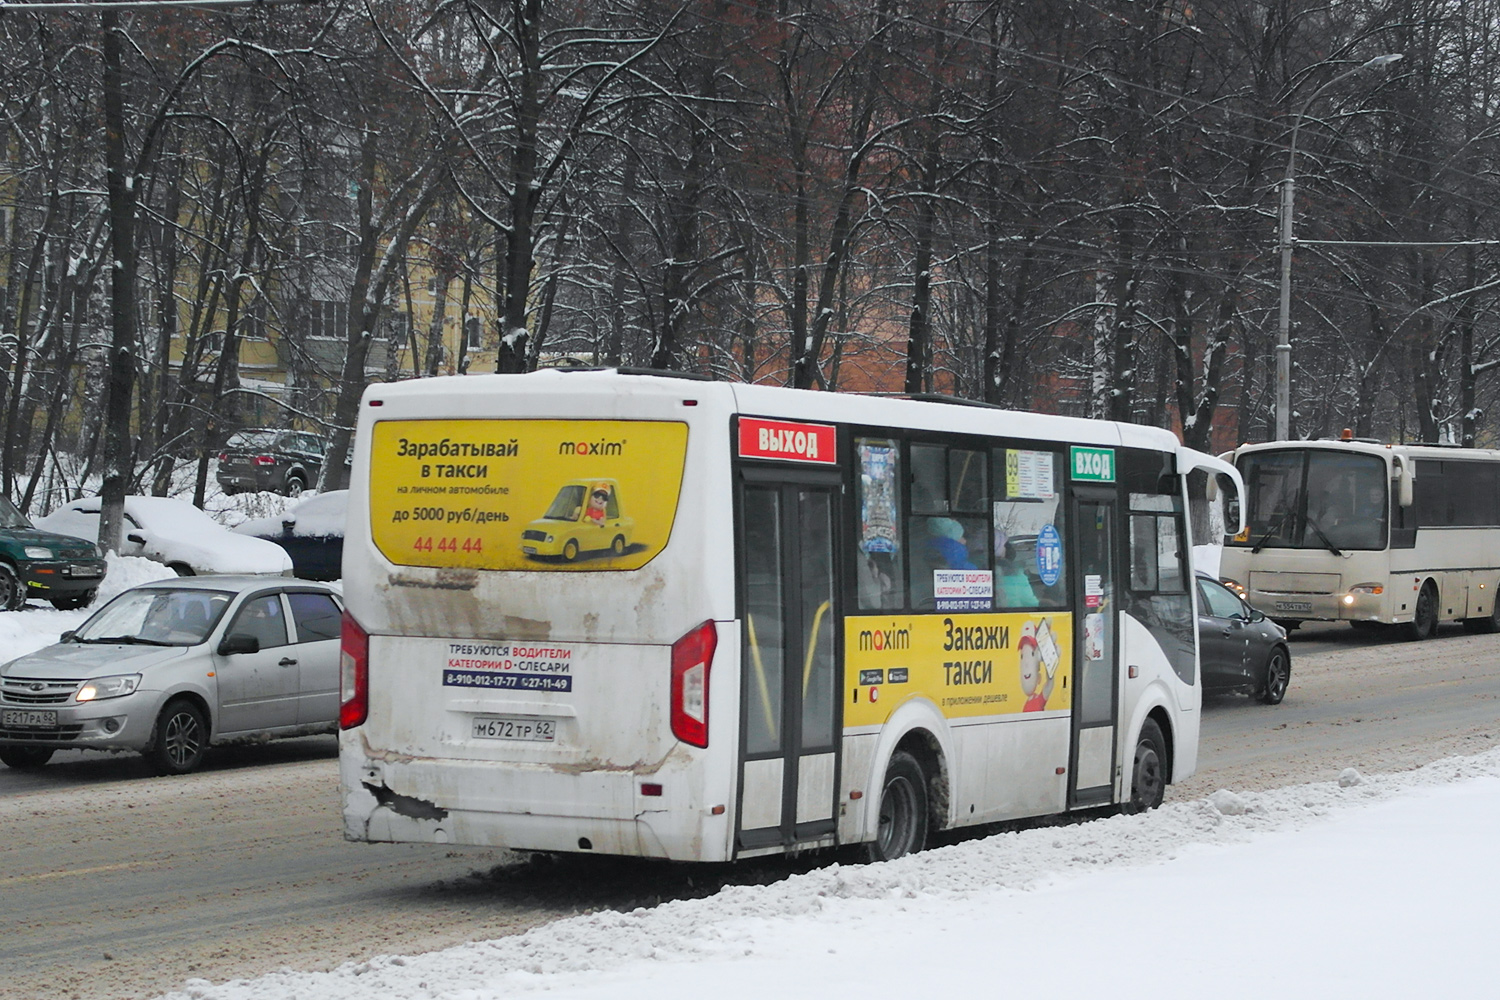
{"type": "Point", "coordinates": [1148, 776]}
{"type": "Point", "coordinates": [1423, 623]}
{"type": "Point", "coordinates": [903, 810]}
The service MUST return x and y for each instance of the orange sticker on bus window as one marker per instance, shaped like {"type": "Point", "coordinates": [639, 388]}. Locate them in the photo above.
{"type": "Point", "coordinates": [525, 494]}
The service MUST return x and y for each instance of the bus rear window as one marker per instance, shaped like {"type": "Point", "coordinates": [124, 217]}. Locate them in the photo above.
{"type": "Point", "coordinates": [525, 494]}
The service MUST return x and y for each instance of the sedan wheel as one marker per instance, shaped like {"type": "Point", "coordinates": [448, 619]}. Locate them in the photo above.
{"type": "Point", "coordinates": [181, 737]}
{"type": "Point", "coordinates": [1278, 676]}
{"type": "Point", "coordinates": [23, 758]}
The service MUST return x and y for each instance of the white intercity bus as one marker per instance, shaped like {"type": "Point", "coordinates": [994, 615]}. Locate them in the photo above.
{"type": "Point", "coordinates": [632, 614]}
{"type": "Point", "coordinates": [1375, 535]}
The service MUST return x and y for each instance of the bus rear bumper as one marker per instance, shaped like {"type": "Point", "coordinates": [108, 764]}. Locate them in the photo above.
{"type": "Point", "coordinates": [530, 810]}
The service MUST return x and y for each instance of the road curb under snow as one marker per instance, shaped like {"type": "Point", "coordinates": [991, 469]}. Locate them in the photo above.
{"type": "Point", "coordinates": [716, 927]}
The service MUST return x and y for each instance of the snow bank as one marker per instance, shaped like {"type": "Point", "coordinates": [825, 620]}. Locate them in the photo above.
{"type": "Point", "coordinates": [1027, 901]}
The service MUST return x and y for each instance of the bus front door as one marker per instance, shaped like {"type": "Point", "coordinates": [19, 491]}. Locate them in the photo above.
{"type": "Point", "coordinates": [788, 705]}
{"type": "Point", "coordinates": [1095, 699]}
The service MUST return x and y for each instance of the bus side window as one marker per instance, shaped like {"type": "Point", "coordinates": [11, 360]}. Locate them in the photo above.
{"type": "Point", "coordinates": [1026, 529]}
{"type": "Point", "coordinates": [880, 571]}
{"type": "Point", "coordinates": [949, 526]}
{"type": "Point", "coordinates": [1155, 554]}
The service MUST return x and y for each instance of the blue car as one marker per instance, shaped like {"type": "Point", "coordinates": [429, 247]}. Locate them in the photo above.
{"type": "Point", "coordinates": [312, 532]}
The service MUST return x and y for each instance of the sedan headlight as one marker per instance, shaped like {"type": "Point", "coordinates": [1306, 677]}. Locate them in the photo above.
{"type": "Point", "coordinates": [38, 552]}
{"type": "Point", "coordinates": [117, 686]}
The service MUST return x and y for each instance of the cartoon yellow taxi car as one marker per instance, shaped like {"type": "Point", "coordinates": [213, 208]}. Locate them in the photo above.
{"type": "Point", "coordinates": [584, 517]}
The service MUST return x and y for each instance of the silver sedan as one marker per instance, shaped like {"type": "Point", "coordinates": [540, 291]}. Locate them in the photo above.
{"type": "Point", "coordinates": [172, 667]}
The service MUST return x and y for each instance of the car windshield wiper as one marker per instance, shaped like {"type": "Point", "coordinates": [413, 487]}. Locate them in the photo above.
{"type": "Point", "coordinates": [125, 640]}
{"type": "Point", "coordinates": [1330, 546]}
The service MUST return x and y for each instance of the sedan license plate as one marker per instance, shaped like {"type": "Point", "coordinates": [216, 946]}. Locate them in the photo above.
{"type": "Point", "coordinates": [28, 718]}
{"type": "Point", "coordinates": [1293, 605]}
{"type": "Point", "coordinates": [514, 727]}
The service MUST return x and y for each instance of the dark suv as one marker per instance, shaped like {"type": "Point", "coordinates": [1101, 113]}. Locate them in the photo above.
{"type": "Point", "coordinates": [33, 563]}
{"type": "Point", "coordinates": [281, 461]}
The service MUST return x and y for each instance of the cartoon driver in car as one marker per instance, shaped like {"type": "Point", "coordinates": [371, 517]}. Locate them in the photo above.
{"type": "Point", "coordinates": [584, 517]}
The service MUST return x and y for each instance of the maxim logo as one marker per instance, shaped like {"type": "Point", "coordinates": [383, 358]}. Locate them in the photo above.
{"type": "Point", "coordinates": [878, 640]}
{"type": "Point", "coordinates": [591, 448]}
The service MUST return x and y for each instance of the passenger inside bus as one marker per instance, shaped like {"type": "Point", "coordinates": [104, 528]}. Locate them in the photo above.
{"type": "Point", "coordinates": [947, 547]}
{"type": "Point", "coordinates": [1012, 587]}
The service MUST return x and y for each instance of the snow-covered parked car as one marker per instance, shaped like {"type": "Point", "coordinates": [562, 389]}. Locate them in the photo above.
{"type": "Point", "coordinates": [175, 533]}
{"type": "Point", "coordinates": [312, 532]}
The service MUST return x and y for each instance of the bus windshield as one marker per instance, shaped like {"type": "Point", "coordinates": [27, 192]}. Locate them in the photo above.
{"type": "Point", "coordinates": [1315, 499]}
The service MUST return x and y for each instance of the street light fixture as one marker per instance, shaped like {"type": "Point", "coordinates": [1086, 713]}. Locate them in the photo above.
{"type": "Point", "coordinates": [1288, 186]}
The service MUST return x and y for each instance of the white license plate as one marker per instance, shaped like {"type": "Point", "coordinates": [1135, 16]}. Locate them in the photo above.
{"type": "Point", "coordinates": [511, 727]}
{"type": "Point", "coordinates": [84, 572]}
{"type": "Point", "coordinates": [28, 718]}
{"type": "Point", "coordinates": [1293, 605]}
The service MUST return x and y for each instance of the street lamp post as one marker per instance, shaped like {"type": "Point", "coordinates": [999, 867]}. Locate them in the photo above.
{"type": "Point", "coordinates": [1288, 187]}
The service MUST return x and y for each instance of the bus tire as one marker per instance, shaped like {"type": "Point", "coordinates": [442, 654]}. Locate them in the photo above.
{"type": "Point", "coordinates": [1148, 775]}
{"type": "Point", "coordinates": [902, 809]}
{"type": "Point", "coordinates": [1423, 624]}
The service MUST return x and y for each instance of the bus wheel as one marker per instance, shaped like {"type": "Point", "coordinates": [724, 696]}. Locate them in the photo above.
{"type": "Point", "coordinates": [903, 810]}
{"type": "Point", "coordinates": [1423, 623]}
{"type": "Point", "coordinates": [1148, 779]}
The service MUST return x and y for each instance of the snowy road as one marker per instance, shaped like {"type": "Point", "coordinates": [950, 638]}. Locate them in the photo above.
{"type": "Point", "coordinates": [119, 885]}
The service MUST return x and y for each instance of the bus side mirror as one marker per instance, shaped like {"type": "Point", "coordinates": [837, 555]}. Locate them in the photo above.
{"type": "Point", "coordinates": [1404, 488]}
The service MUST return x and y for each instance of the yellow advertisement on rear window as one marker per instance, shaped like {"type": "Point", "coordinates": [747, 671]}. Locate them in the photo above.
{"type": "Point", "coordinates": [968, 665]}
{"type": "Point", "coordinates": [525, 494]}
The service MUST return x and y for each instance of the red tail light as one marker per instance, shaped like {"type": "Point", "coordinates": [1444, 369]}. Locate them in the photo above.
{"type": "Point", "coordinates": [354, 674]}
{"type": "Point", "coordinates": [692, 657]}
{"type": "Point", "coordinates": [223, 456]}
{"type": "Point", "coordinates": [264, 460]}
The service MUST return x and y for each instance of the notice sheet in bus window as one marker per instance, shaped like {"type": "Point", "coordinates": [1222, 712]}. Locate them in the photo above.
{"type": "Point", "coordinates": [525, 494]}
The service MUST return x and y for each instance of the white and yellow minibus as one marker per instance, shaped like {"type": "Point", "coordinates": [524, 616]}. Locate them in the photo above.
{"type": "Point", "coordinates": [1376, 535]}
{"type": "Point", "coordinates": [634, 614]}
